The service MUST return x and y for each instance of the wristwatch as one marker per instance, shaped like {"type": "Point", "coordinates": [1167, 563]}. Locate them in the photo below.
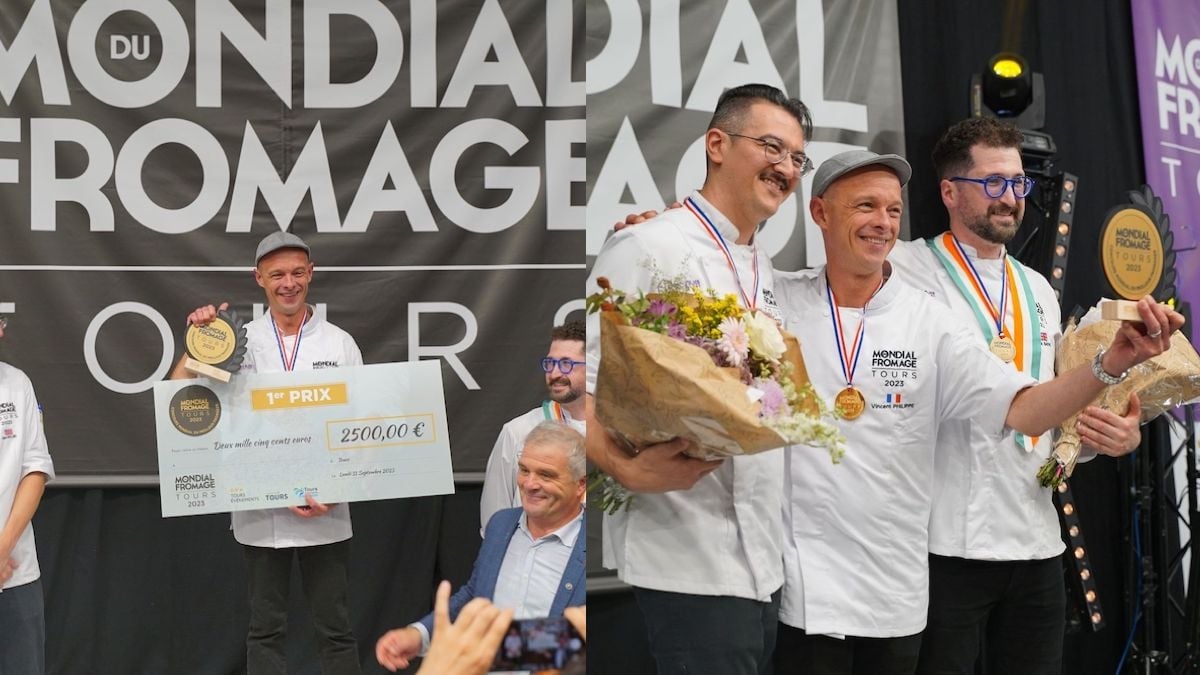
{"type": "Point", "coordinates": [1102, 375]}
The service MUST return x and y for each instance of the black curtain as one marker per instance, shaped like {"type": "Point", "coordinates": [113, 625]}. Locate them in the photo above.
{"type": "Point", "coordinates": [129, 592]}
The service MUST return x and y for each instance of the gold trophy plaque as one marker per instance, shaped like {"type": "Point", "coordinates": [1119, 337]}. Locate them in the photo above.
{"type": "Point", "coordinates": [216, 349]}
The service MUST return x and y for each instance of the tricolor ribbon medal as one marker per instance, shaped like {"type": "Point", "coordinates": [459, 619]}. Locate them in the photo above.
{"type": "Point", "coordinates": [849, 402]}
{"type": "Point", "coordinates": [289, 362]}
{"type": "Point", "coordinates": [748, 300]}
{"type": "Point", "coordinates": [1022, 345]}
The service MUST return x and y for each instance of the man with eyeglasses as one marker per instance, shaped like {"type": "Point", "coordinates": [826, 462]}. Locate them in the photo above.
{"type": "Point", "coordinates": [993, 534]}
{"type": "Point", "coordinates": [25, 466]}
{"type": "Point", "coordinates": [565, 374]}
{"type": "Point", "coordinates": [701, 541]}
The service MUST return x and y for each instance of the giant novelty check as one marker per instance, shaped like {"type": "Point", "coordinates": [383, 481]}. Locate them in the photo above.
{"type": "Point", "coordinates": [342, 434]}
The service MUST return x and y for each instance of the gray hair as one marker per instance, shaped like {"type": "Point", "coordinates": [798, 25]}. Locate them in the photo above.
{"type": "Point", "coordinates": [552, 433]}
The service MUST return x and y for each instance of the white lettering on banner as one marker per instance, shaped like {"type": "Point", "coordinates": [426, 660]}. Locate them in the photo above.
{"type": "Point", "coordinates": [310, 176]}
{"type": "Point", "coordinates": [36, 43]}
{"type": "Point", "coordinates": [737, 52]}
{"type": "Point", "coordinates": [270, 55]}
{"type": "Point", "coordinates": [46, 189]}
{"type": "Point", "coordinates": [416, 350]}
{"type": "Point", "coordinates": [491, 36]}
{"type": "Point", "coordinates": [737, 31]}
{"type": "Point", "coordinates": [93, 363]}
{"type": "Point", "coordinates": [214, 182]}
{"type": "Point", "coordinates": [81, 49]}
{"type": "Point", "coordinates": [124, 46]}
{"type": "Point", "coordinates": [561, 90]}
{"type": "Point", "coordinates": [560, 316]}
{"type": "Point", "coordinates": [388, 163]}
{"type": "Point", "coordinates": [1176, 66]}
{"type": "Point", "coordinates": [624, 167]}
{"type": "Point", "coordinates": [10, 132]}
{"type": "Point", "coordinates": [563, 170]}
{"type": "Point", "coordinates": [521, 180]}
{"type": "Point", "coordinates": [218, 24]}
{"type": "Point", "coordinates": [389, 55]}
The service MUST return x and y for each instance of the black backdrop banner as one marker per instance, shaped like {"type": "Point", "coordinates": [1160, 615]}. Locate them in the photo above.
{"type": "Point", "coordinates": [430, 153]}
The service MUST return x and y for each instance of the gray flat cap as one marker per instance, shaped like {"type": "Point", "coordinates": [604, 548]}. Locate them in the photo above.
{"type": "Point", "coordinates": [843, 163]}
{"type": "Point", "coordinates": [277, 240]}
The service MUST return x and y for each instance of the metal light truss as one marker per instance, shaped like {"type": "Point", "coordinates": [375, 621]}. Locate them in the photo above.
{"type": "Point", "coordinates": [1165, 637]}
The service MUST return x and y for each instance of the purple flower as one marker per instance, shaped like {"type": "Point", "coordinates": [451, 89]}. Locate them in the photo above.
{"type": "Point", "coordinates": [774, 401]}
{"type": "Point", "coordinates": [660, 307]}
{"type": "Point", "coordinates": [676, 330]}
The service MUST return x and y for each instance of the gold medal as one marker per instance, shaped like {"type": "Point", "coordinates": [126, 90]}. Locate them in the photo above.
{"type": "Point", "coordinates": [1003, 347]}
{"type": "Point", "coordinates": [850, 403]}
{"type": "Point", "coordinates": [211, 343]}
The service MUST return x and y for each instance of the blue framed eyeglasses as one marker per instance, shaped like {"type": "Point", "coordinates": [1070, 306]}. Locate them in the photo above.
{"type": "Point", "coordinates": [565, 365]}
{"type": "Point", "coordinates": [994, 186]}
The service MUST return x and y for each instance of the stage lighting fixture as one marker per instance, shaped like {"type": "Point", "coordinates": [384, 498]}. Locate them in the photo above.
{"type": "Point", "coordinates": [1086, 596]}
{"type": "Point", "coordinates": [1007, 88]}
{"type": "Point", "coordinates": [1066, 185]}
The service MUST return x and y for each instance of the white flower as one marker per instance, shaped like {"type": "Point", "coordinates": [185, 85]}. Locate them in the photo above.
{"type": "Point", "coordinates": [765, 338]}
{"type": "Point", "coordinates": [733, 341]}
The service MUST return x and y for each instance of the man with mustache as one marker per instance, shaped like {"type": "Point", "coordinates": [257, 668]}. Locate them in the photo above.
{"type": "Point", "coordinates": [993, 534]}
{"type": "Point", "coordinates": [565, 375]}
{"type": "Point", "coordinates": [701, 541]}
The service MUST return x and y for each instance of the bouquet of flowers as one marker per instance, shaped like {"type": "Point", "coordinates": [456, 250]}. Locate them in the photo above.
{"type": "Point", "coordinates": [682, 362]}
{"type": "Point", "coordinates": [1161, 383]}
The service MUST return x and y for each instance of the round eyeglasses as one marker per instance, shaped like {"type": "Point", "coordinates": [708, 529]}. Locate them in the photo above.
{"type": "Point", "coordinates": [775, 153]}
{"type": "Point", "coordinates": [994, 186]}
{"type": "Point", "coordinates": [565, 365]}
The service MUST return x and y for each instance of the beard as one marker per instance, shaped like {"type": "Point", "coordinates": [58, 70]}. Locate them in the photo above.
{"type": "Point", "coordinates": [569, 396]}
{"type": "Point", "coordinates": [985, 229]}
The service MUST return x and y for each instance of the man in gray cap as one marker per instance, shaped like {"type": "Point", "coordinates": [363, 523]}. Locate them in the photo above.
{"type": "Point", "coordinates": [896, 363]}
{"type": "Point", "coordinates": [291, 336]}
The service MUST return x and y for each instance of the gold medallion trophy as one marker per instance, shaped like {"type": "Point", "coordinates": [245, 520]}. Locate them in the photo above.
{"type": "Point", "coordinates": [1136, 254]}
{"type": "Point", "coordinates": [216, 349]}
{"type": "Point", "coordinates": [1138, 259]}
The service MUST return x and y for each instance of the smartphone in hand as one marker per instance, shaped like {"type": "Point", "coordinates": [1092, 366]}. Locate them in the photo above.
{"type": "Point", "coordinates": [538, 644]}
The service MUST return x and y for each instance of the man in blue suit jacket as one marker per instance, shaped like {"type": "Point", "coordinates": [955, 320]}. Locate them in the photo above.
{"type": "Point", "coordinates": [532, 559]}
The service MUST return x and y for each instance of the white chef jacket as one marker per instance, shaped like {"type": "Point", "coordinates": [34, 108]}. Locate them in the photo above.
{"type": "Point", "coordinates": [987, 502]}
{"type": "Point", "coordinates": [322, 345]}
{"type": "Point", "coordinates": [857, 550]}
{"type": "Point", "coordinates": [22, 452]}
{"type": "Point", "coordinates": [724, 535]}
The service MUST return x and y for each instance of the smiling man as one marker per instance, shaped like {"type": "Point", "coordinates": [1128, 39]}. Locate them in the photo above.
{"type": "Point", "coordinates": [565, 373]}
{"type": "Point", "coordinates": [700, 543]}
{"type": "Point", "coordinates": [291, 336]}
{"type": "Point", "coordinates": [532, 558]}
{"type": "Point", "coordinates": [899, 364]}
{"type": "Point", "coordinates": [994, 537]}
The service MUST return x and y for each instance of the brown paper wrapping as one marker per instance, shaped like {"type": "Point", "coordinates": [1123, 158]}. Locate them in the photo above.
{"type": "Point", "coordinates": [1168, 380]}
{"type": "Point", "coordinates": [651, 388]}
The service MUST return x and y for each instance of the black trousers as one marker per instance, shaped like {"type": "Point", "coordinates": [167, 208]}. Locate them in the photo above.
{"type": "Point", "coordinates": [694, 634]}
{"type": "Point", "coordinates": [799, 652]}
{"type": "Point", "coordinates": [324, 577]}
{"type": "Point", "coordinates": [1011, 612]}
